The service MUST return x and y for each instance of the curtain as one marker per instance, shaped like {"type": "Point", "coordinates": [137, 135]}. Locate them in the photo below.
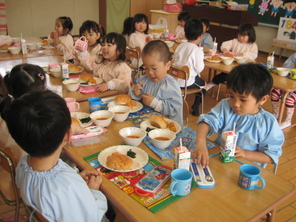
{"type": "Point", "coordinates": [117, 11]}
{"type": "Point", "coordinates": [3, 23]}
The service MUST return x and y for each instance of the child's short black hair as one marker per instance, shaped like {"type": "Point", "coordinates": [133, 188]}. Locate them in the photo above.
{"type": "Point", "coordinates": [140, 17]}
{"type": "Point", "coordinates": [247, 29]}
{"type": "Point", "coordinates": [206, 22]}
{"type": "Point", "coordinates": [38, 122]}
{"type": "Point", "coordinates": [89, 26]}
{"type": "Point", "coordinates": [252, 79]}
{"type": "Point", "coordinates": [193, 29]}
{"type": "Point", "coordinates": [184, 16]}
{"type": "Point", "coordinates": [160, 47]}
{"type": "Point", "coordinates": [127, 26]}
{"type": "Point", "coordinates": [120, 42]}
{"type": "Point", "coordinates": [66, 22]}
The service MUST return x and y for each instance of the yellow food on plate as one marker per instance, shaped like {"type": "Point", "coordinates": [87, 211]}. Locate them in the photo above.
{"type": "Point", "coordinates": [158, 121]}
{"type": "Point", "coordinates": [4, 47]}
{"type": "Point", "coordinates": [119, 161]}
{"type": "Point", "coordinates": [228, 54]}
{"type": "Point", "coordinates": [86, 77]}
{"type": "Point", "coordinates": [172, 126]}
{"type": "Point", "coordinates": [74, 68]}
{"type": "Point", "coordinates": [215, 58]}
{"type": "Point", "coordinates": [131, 104]}
{"type": "Point", "coordinates": [122, 99]}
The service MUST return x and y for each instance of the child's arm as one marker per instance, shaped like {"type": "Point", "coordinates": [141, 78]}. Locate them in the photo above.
{"type": "Point", "coordinates": [290, 62]}
{"type": "Point", "coordinates": [254, 156]}
{"type": "Point", "coordinates": [252, 53]}
{"type": "Point", "coordinates": [92, 178]}
{"type": "Point", "coordinates": [65, 45]}
{"type": "Point", "coordinates": [226, 46]}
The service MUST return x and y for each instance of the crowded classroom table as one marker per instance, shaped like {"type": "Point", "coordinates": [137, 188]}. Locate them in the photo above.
{"type": "Point", "coordinates": [226, 200]}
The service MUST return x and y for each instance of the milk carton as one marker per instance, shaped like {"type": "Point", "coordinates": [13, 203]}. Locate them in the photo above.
{"type": "Point", "coordinates": [65, 71]}
{"type": "Point", "coordinates": [182, 158]}
{"type": "Point", "coordinates": [227, 146]}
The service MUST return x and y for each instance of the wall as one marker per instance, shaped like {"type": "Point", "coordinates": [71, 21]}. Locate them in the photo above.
{"type": "Point", "coordinates": [37, 17]}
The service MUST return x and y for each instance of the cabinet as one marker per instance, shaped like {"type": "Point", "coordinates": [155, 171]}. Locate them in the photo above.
{"type": "Point", "coordinates": [144, 6]}
{"type": "Point", "coordinates": [171, 18]}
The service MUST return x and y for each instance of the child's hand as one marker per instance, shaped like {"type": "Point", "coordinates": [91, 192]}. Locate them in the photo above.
{"type": "Point", "coordinates": [137, 89]}
{"type": "Point", "coordinates": [102, 87]}
{"type": "Point", "coordinates": [94, 182]}
{"type": "Point", "coordinates": [239, 152]}
{"type": "Point", "coordinates": [147, 99]}
{"type": "Point", "coordinates": [55, 36]}
{"type": "Point", "coordinates": [148, 39]}
{"type": "Point", "coordinates": [201, 154]}
{"type": "Point", "coordinates": [77, 129]}
{"type": "Point", "coordinates": [86, 174]}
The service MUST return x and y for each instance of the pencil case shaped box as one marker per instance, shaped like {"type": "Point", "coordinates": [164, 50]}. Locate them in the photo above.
{"type": "Point", "coordinates": [81, 44]}
{"type": "Point", "coordinates": [150, 184]}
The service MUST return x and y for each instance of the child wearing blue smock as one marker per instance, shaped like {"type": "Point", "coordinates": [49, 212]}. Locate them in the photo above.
{"type": "Point", "coordinates": [40, 123]}
{"type": "Point", "coordinates": [260, 138]}
{"type": "Point", "coordinates": [157, 89]}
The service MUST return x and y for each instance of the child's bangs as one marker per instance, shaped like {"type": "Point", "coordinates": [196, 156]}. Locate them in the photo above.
{"type": "Point", "coordinates": [110, 39]}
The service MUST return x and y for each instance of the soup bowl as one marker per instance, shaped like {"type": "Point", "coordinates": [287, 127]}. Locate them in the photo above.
{"type": "Point", "coordinates": [161, 138]}
{"type": "Point", "coordinates": [132, 136]}
{"type": "Point", "coordinates": [102, 118]}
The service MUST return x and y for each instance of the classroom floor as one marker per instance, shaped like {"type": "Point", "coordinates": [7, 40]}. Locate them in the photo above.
{"type": "Point", "coordinates": [286, 212]}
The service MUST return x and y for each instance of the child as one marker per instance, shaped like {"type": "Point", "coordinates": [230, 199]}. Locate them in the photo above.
{"type": "Point", "coordinates": [189, 54]}
{"type": "Point", "coordinates": [40, 123]}
{"type": "Point", "coordinates": [127, 28]}
{"type": "Point", "coordinates": [207, 39]}
{"type": "Point", "coordinates": [139, 36]}
{"type": "Point", "coordinates": [61, 37]}
{"type": "Point", "coordinates": [183, 17]}
{"type": "Point", "coordinates": [111, 66]}
{"type": "Point", "coordinates": [259, 136]}
{"type": "Point", "coordinates": [157, 89]}
{"type": "Point", "coordinates": [93, 33]}
{"type": "Point", "coordinates": [244, 45]}
{"type": "Point", "coordinates": [290, 100]}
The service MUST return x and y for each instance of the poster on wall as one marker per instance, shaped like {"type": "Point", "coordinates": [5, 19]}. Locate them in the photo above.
{"type": "Point", "coordinates": [287, 30]}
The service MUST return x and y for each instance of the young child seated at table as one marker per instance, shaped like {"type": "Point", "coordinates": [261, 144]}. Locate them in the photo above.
{"type": "Point", "coordinates": [206, 40]}
{"type": "Point", "coordinates": [290, 100]}
{"type": "Point", "coordinates": [94, 34]}
{"type": "Point", "coordinates": [189, 54]}
{"type": "Point", "coordinates": [158, 89]}
{"type": "Point", "coordinates": [244, 45]}
{"type": "Point", "coordinates": [40, 123]}
{"type": "Point", "coordinates": [260, 138]}
{"type": "Point", "coordinates": [61, 37]}
{"type": "Point", "coordinates": [183, 17]}
{"type": "Point", "coordinates": [110, 66]}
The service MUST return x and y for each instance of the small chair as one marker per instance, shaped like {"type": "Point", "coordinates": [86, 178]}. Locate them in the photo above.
{"type": "Point", "coordinates": [136, 54]}
{"type": "Point", "coordinates": [183, 73]}
{"type": "Point", "coordinates": [8, 189]}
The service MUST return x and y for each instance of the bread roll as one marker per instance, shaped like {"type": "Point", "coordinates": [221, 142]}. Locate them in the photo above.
{"type": "Point", "coordinates": [88, 78]}
{"type": "Point", "coordinates": [75, 121]}
{"type": "Point", "coordinates": [4, 47]}
{"type": "Point", "coordinates": [73, 68]}
{"type": "Point", "coordinates": [158, 121]}
{"type": "Point", "coordinates": [119, 161]}
{"type": "Point", "coordinates": [122, 99]}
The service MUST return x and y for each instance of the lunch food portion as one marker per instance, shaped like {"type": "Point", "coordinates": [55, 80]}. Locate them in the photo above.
{"type": "Point", "coordinates": [119, 161]}
{"type": "Point", "coordinates": [158, 121]}
{"type": "Point", "coordinates": [75, 121]}
{"type": "Point", "coordinates": [124, 99]}
{"type": "Point", "coordinates": [44, 43]}
{"type": "Point", "coordinates": [74, 69]}
{"type": "Point", "coordinates": [4, 47]}
{"type": "Point", "coordinates": [86, 77]}
{"type": "Point", "coordinates": [214, 58]}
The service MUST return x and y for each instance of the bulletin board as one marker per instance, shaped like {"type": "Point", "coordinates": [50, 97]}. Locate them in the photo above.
{"type": "Point", "coordinates": [287, 30]}
{"type": "Point", "coordinates": [270, 11]}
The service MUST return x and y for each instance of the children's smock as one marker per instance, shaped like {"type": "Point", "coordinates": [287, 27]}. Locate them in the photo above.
{"type": "Point", "coordinates": [180, 33]}
{"type": "Point", "coordinates": [168, 97]}
{"type": "Point", "coordinates": [60, 194]}
{"type": "Point", "coordinates": [189, 54]}
{"type": "Point", "coordinates": [290, 62]}
{"type": "Point", "coordinates": [137, 39]}
{"type": "Point", "coordinates": [65, 45]}
{"type": "Point", "coordinates": [248, 50]}
{"type": "Point", "coordinates": [116, 74]}
{"type": "Point", "coordinates": [206, 40]}
{"type": "Point", "coordinates": [95, 50]}
{"type": "Point", "coordinates": [259, 132]}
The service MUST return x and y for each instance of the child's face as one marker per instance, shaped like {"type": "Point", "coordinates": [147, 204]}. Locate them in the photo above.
{"type": "Point", "coordinates": [181, 23]}
{"type": "Point", "coordinates": [154, 67]}
{"type": "Point", "coordinates": [243, 104]}
{"type": "Point", "coordinates": [110, 51]}
{"type": "Point", "coordinates": [204, 28]}
{"type": "Point", "coordinates": [59, 28]}
{"type": "Point", "coordinates": [243, 38]}
{"type": "Point", "coordinates": [91, 37]}
{"type": "Point", "coordinates": [140, 26]}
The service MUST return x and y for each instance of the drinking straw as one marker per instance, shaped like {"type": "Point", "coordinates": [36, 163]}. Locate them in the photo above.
{"type": "Point", "coordinates": [214, 39]}
{"type": "Point", "coordinates": [181, 144]}
{"type": "Point", "coordinates": [234, 125]}
{"type": "Point", "coordinates": [272, 54]}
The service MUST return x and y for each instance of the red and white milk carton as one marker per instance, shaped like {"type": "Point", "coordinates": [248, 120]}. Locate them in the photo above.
{"type": "Point", "coordinates": [182, 158]}
{"type": "Point", "coordinates": [227, 146]}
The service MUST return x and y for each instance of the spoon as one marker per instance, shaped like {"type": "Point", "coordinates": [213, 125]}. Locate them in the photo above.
{"type": "Point", "coordinates": [208, 177]}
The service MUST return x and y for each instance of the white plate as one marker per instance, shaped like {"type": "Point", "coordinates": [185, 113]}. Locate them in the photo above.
{"type": "Point", "coordinates": [146, 123]}
{"type": "Point", "coordinates": [81, 69]}
{"type": "Point", "coordinates": [209, 60]}
{"type": "Point", "coordinates": [81, 115]}
{"type": "Point", "coordinates": [2, 51]}
{"type": "Point", "coordinates": [138, 162]}
{"type": "Point", "coordinates": [135, 108]}
{"type": "Point", "coordinates": [98, 80]}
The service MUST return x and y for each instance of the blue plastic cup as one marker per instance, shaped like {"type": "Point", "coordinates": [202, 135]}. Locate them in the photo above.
{"type": "Point", "coordinates": [249, 177]}
{"type": "Point", "coordinates": [94, 104]}
{"type": "Point", "coordinates": [181, 182]}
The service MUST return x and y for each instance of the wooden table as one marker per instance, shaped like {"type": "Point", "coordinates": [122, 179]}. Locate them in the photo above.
{"type": "Point", "coordinates": [282, 47]}
{"type": "Point", "coordinates": [226, 200]}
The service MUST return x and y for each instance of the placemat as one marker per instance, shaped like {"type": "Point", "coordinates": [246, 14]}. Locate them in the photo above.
{"type": "Point", "coordinates": [188, 136]}
{"type": "Point", "coordinates": [126, 182]}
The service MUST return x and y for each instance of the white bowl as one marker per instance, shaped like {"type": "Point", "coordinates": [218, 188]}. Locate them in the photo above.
{"type": "Point", "coordinates": [227, 60]}
{"type": "Point", "coordinates": [16, 39]}
{"type": "Point", "coordinates": [32, 46]}
{"type": "Point", "coordinates": [132, 136]}
{"type": "Point", "coordinates": [102, 118]}
{"type": "Point", "coordinates": [283, 71]}
{"type": "Point", "coordinates": [14, 50]}
{"type": "Point", "coordinates": [56, 72]}
{"type": "Point", "coordinates": [120, 112]}
{"type": "Point", "coordinates": [71, 84]}
{"type": "Point", "coordinates": [157, 134]}
{"type": "Point", "coordinates": [169, 43]}
{"type": "Point", "coordinates": [240, 59]}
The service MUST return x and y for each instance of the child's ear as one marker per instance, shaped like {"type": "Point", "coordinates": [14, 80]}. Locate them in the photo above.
{"type": "Point", "coordinates": [67, 137]}
{"type": "Point", "coordinates": [168, 65]}
{"type": "Point", "coordinates": [263, 100]}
